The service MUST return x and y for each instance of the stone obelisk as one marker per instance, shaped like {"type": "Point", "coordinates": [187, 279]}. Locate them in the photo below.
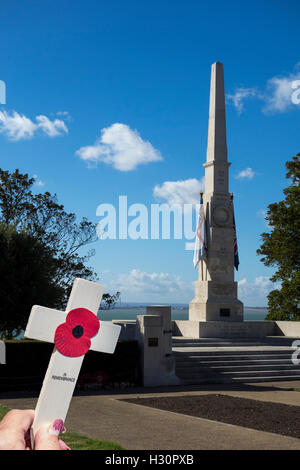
{"type": "Point", "coordinates": [216, 291]}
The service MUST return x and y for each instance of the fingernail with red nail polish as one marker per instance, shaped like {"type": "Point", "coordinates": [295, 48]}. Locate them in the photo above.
{"type": "Point", "coordinates": [57, 427]}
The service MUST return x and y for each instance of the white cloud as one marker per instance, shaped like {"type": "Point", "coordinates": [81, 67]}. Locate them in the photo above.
{"type": "Point", "coordinates": [248, 173]}
{"type": "Point", "coordinates": [51, 128]}
{"type": "Point", "coordinates": [17, 126]}
{"type": "Point", "coordinates": [160, 287]}
{"type": "Point", "coordinates": [281, 93]}
{"type": "Point", "coordinates": [255, 293]}
{"type": "Point", "coordinates": [264, 283]}
{"type": "Point", "coordinates": [121, 147]}
{"type": "Point", "coordinates": [279, 96]}
{"type": "Point", "coordinates": [153, 287]}
{"type": "Point", "coordinates": [239, 96]}
{"type": "Point", "coordinates": [180, 192]}
{"type": "Point", "coordinates": [65, 114]}
{"type": "Point", "coordinates": [38, 182]}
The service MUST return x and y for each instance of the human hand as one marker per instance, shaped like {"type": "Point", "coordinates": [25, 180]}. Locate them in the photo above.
{"type": "Point", "coordinates": [15, 428]}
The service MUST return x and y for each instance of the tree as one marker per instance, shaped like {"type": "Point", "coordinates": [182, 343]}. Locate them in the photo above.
{"type": "Point", "coordinates": [27, 272]}
{"type": "Point", "coordinates": [37, 222]}
{"type": "Point", "coordinates": [281, 248]}
{"type": "Point", "coordinates": [41, 216]}
{"type": "Point", "coordinates": [109, 301]}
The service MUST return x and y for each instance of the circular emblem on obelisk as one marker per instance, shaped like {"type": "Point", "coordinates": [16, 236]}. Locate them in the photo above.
{"type": "Point", "coordinates": [221, 216]}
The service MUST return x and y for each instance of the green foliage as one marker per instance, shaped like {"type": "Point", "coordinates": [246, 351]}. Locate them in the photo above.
{"type": "Point", "coordinates": [3, 411]}
{"type": "Point", "coordinates": [281, 248]}
{"type": "Point", "coordinates": [109, 301]}
{"type": "Point", "coordinates": [27, 273]}
{"type": "Point", "coordinates": [79, 442]}
{"type": "Point", "coordinates": [27, 362]}
{"type": "Point", "coordinates": [46, 220]}
{"type": "Point", "coordinates": [39, 248]}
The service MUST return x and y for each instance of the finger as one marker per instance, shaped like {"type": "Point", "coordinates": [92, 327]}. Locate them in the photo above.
{"type": "Point", "coordinates": [63, 445]}
{"type": "Point", "coordinates": [46, 442]}
{"type": "Point", "coordinates": [18, 420]}
{"type": "Point", "coordinates": [46, 437]}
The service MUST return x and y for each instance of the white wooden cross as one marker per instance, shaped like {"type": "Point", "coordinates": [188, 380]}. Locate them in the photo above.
{"type": "Point", "coordinates": [63, 371]}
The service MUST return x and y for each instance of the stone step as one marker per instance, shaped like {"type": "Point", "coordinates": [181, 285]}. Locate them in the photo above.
{"type": "Point", "coordinates": [219, 346]}
{"type": "Point", "coordinates": [223, 342]}
{"type": "Point", "coordinates": [230, 356]}
{"type": "Point", "coordinates": [232, 352]}
{"type": "Point", "coordinates": [241, 374]}
{"type": "Point", "coordinates": [290, 371]}
{"type": "Point", "coordinates": [200, 341]}
{"type": "Point", "coordinates": [234, 362]}
{"type": "Point", "coordinates": [191, 369]}
{"type": "Point", "coordinates": [183, 339]}
{"type": "Point", "coordinates": [251, 359]}
{"type": "Point", "coordinates": [250, 379]}
{"type": "Point", "coordinates": [222, 360]}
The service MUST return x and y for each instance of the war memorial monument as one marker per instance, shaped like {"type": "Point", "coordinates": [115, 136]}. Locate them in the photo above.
{"type": "Point", "coordinates": [215, 344]}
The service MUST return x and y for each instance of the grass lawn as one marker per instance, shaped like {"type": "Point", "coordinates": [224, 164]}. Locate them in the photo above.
{"type": "Point", "coordinates": [77, 441]}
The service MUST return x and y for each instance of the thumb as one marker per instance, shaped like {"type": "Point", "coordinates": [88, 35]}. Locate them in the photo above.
{"type": "Point", "coordinates": [46, 437]}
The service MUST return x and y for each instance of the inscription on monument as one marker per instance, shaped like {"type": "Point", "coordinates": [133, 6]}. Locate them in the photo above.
{"type": "Point", "coordinates": [221, 177]}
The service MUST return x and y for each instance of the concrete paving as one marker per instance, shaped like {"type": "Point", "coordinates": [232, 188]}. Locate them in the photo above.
{"type": "Point", "coordinates": [107, 417]}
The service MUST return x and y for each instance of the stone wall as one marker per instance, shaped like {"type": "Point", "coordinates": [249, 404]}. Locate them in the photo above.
{"type": "Point", "coordinates": [287, 328]}
{"type": "Point", "coordinates": [194, 329]}
{"type": "Point", "coordinates": [154, 334]}
{"type": "Point", "coordinates": [128, 329]}
{"type": "Point", "coordinates": [217, 329]}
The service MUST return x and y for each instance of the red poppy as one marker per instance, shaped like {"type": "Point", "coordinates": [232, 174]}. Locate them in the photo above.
{"type": "Point", "coordinates": [73, 338]}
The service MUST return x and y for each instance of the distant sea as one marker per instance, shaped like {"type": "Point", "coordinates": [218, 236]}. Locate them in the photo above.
{"type": "Point", "coordinates": [178, 313]}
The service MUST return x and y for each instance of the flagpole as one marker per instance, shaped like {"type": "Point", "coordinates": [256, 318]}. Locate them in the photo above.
{"type": "Point", "coordinates": [200, 242]}
{"type": "Point", "coordinates": [236, 261]}
{"type": "Point", "coordinates": [201, 198]}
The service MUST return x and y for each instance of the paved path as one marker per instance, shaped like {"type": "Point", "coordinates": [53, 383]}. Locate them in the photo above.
{"type": "Point", "coordinates": [137, 427]}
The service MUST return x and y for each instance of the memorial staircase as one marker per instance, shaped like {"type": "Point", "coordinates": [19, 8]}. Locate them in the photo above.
{"type": "Point", "coordinates": [222, 360]}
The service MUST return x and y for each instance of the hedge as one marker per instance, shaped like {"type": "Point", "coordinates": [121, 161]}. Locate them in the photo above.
{"type": "Point", "coordinates": [27, 362]}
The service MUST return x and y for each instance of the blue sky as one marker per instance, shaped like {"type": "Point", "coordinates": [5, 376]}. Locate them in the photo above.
{"type": "Point", "coordinates": [111, 98]}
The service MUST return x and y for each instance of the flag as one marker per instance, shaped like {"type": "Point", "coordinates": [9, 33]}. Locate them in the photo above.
{"type": "Point", "coordinates": [236, 260]}
{"type": "Point", "coordinates": [200, 243]}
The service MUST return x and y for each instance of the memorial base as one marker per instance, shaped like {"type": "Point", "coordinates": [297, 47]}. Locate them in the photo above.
{"type": "Point", "coordinates": [216, 301]}
{"type": "Point", "coordinates": [220, 329]}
